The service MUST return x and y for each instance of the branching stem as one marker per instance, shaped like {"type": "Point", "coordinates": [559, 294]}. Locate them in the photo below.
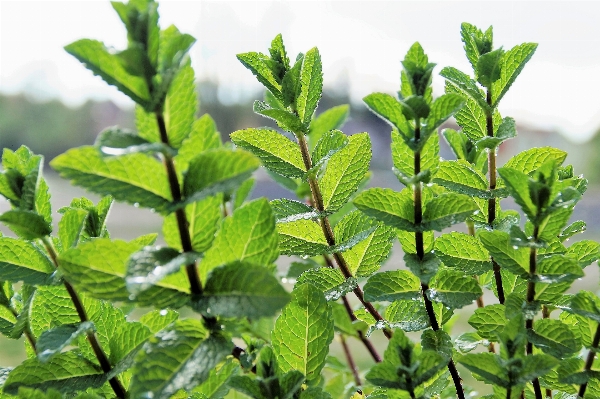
{"type": "Point", "coordinates": [350, 360]}
{"type": "Point", "coordinates": [589, 361]}
{"type": "Point", "coordinates": [328, 231]}
{"type": "Point", "coordinates": [91, 336]}
{"type": "Point", "coordinates": [182, 222]}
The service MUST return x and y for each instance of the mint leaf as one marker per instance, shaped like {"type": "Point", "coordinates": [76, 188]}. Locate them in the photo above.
{"type": "Point", "coordinates": [125, 342]}
{"type": "Point", "coordinates": [488, 67]}
{"type": "Point", "coordinates": [330, 281]}
{"type": "Point", "coordinates": [409, 315]}
{"type": "Point", "coordinates": [331, 119]}
{"type": "Point", "coordinates": [463, 252]}
{"type": "Point", "coordinates": [285, 119]}
{"type": "Point", "coordinates": [464, 85]}
{"type": "Point", "coordinates": [71, 226]}
{"type": "Point", "coordinates": [445, 210]}
{"type": "Point", "coordinates": [511, 65]}
{"type": "Point", "coordinates": [241, 289]}
{"type": "Point", "coordinates": [488, 366]}
{"type": "Point", "coordinates": [276, 152]}
{"type": "Point", "coordinates": [489, 321]}
{"type": "Point", "coordinates": [53, 341]}
{"type": "Point", "coordinates": [403, 156]}
{"type": "Point", "coordinates": [203, 217]}
{"type": "Point", "coordinates": [557, 268]}
{"type": "Point", "coordinates": [517, 184]}
{"type": "Point", "coordinates": [303, 332]}
{"type": "Point", "coordinates": [248, 235]}
{"type": "Point", "coordinates": [98, 267]}
{"type": "Point", "coordinates": [134, 178]}
{"type": "Point", "coordinates": [554, 338]}
{"type": "Point", "coordinates": [302, 237]}
{"type": "Point", "coordinates": [217, 170]}
{"type": "Point", "coordinates": [156, 320]}
{"type": "Point", "coordinates": [179, 357]}
{"type": "Point", "coordinates": [23, 261]}
{"type": "Point", "coordinates": [311, 85]}
{"type": "Point", "coordinates": [216, 385]}
{"type": "Point", "coordinates": [345, 171]}
{"type": "Point", "coordinates": [453, 289]}
{"type": "Point", "coordinates": [7, 321]}
{"type": "Point", "coordinates": [392, 208]}
{"type": "Point", "coordinates": [97, 58]}
{"type": "Point", "coordinates": [506, 130]}
{"type": "Point", "coordinates": [529, 160]}
{"type": "Point", "coordinates": [26, 224]}
{"type": "Point", "coordinates": [499, 244]}
{"type": "Point", "coordinates": [390, 110]}
{"type": "Point", "coordinates": [443, 108]}
{"type": "Point", "coordinates": [330, 143]}
{"type": "Point", "coordinates": [203, 136]}
{"type": "Point", "coordinates": [286, 210]}
{"type": "Point", "coordinates": [392, 286]}
{"type": "Point", "coordinates": [424, 268]}
{"type": "Point", "coordinates": [151, 265]}
{"type": "Point", "coordinates": [257, 64]}
{"type": "Point", "coordinates": [585, 252]}
{"type": "Point", "coordinates": [408, 243]}
{"type": "Point", "coordinates": [460, 176]}
{"type": "Point", "coordinates": [66, 372]}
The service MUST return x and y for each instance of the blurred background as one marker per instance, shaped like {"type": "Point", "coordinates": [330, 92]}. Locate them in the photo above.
{"type": "Point", "coordinates": [49, 102]}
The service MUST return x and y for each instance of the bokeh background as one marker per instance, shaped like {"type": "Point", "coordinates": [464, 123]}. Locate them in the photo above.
{"type": "Point", "coordinates": [50, 103]}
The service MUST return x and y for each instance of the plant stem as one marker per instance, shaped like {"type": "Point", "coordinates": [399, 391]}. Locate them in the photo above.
{"type": "Point", "coordinates": [328, 232]}
{"type": "Point", "coordinates": [182, 222]}
{"type": "Point", "coordinates": [350, 360]}
{"type": "Point", "coordinates": [353, 318]}
{"type": "Point", "coordinates": [489, 122]}
{"type": "Point", "coordinates": [91, 336]}
{"type": "Point", "coordinates": [418, 216]}
{"type": "Point", "coordinates": [589, 361]}
{"type": "Point", "coordinates": [27, 332]}
{"type": "Point", "coordinates": [508, 392]}
{"type": "Point", "coordinates": [530, 298]}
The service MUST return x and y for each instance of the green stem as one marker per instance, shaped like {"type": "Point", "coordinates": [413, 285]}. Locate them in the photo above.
{"type": "Point", "coordinates": [489, 122]}
{"type": "Point", "coordinates": [530, 298]}
{"type": "Point", "coordinates": [328, 232]}
{"type": "Point", "coordinates": [91, 336]}
{"type": "Point", "coordinates": [418, 216]}
{"type": "Point", "coordinates": [350, 360]}
{"type": "Point", "coordinates": [28, 334]}
{"type": "Point", "coordinates": [182, 222]}
{"type": "Point", "coordinates": [589, 361]}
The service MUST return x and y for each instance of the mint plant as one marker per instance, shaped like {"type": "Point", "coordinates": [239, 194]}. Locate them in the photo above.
{"type": "Point", "coordinates": [71, 292]}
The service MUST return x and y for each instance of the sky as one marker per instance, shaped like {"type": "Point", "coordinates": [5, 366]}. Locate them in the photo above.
{"type": "Point", "coordinates": [361, 44]}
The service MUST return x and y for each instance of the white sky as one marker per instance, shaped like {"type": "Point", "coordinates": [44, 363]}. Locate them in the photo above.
{"type": "Point", "coordinates": [361, 43]}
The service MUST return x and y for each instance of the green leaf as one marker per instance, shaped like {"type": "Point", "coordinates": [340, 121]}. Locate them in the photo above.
{"type": "Point", "coordinates": [487, 366]}
{"type": "Point", "coordinates": [469, 341]}
{"type": "Point", "coordinates": [156, 320]}
{"type": "Point", "coordinates": [392, 286]}
{"type": "Point", "coordinates": [585, 252]}
{"type": "Point", "coordinates": [445, 210]}
{"type": "Point", "coordinates": [134, 178]}
{"type": "Point", "coordinates": [179, 357]}
{"type": "Point", "coordinates": [203, 136]}
{"type": "Point", "coordinates": [303, 332]}
{"type": "Point", "coordinates": [125, 341]}
{"type": "Point", "coordinates": [408, 241]}
{"type": "Point", "coordinates": [7, 321]}
{"type": "Point", "coordinates": [240, 289]}
{"type": "Point", "coordinates": [511, 65]}
{"type": "Point", "coordinates": [329, 281]}
{"type": "Point", "coordinates": [403, 156]}
{"type": "Point", "coordinates": [489, 67]}
{"type": "Point", "coordinates": [256, 63]}
{"type": "Point", "coordinates": [26, 224]}
{"type": "Point", "coordinates": [53, 341]}
{"type": "Point", "coordinates": [392, 208]}
{"type": "Point", "coordinates": [330, 143]}
{"type": "Point", "coordinates": [453, 289]}
{"type": "Point", "coordinates": [476, 42]}
{"type": "Point", "coordinates": [499, 244]}
{"type": "Point", "coordinates": [367, 255]}
{"type": "Point", "coordinates": [333, 118]}
{"type": "Point", "coordinates": [173, 46]}
{"type": "Point", "coordinates": [407, 315]}
{"type": "Point", "coordinates": [424, 268]}
{"type": "Point", "coordinates": [151, 265]}
{"type": "Point", "coordinates": [489, 321]}
{"type": "Point", "coordinates": [443, 108]}
{"type": "Point", "coordinates": [98, 268]}
{"type": "Point", "coordinates": [116, 141]}
{"type": "Point", "coordinates": [462, 177]}
{"type": "Point", "coordinates": [463, 252]}
{"type": "Point", "coordinates": [437, 341]}
{"type": "Point", "coordinates": [66, 372]}
{"type": "Point", "coordinates": [23, 261]}
{"type": "Point", "coordinates": [390, 110]}
{"type": "Point", "coordinates": [464, 85]}
{"type": "Point", "coordinates": [517, 184]}
{"type": "Point", "coordinates": [97, 58]}
{"type": "Point", "coordinates": [506, 130]}
{"type": "Point", "coordinates": [554, 338]}
{"type": "Point", "coordinates": [71, 226]}
{"type": "Point", "coordinates": [529, 160]}
{"type": "Point", "coordinates": [180, 106]}
{"type": "Point", "coordinates": [302, 237]}
{"type": "Point", "coordinates": [345, 171]}
{"type": "Point", "coordinates": [276, 152]}
{"type": "Point", "coordinates": [557, 268]}
{"type": "Point", "coordinates": [217, 170]}
{"type": "Point", "coordinates": [285, 119]}
{"type": "Point", "coordinates": [535, 366]}
{"type": "Point", "coordinates": [311, 85]}
{"type": "Point", "coordinates": [203, 217]}
{"type": "Point", "coordinates": [217, 384]}
{"type": "Point", "coordinates": [286, 210]}
{"type": "Point", "coordinates": [248, 235]}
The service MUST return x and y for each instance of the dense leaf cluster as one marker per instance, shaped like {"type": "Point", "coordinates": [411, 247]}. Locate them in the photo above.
{"type": "Point", "coordinates": [70, 291]}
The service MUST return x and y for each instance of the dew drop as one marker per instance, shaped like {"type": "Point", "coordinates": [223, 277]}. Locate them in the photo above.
{"type": "Point", "coordinates": [163, 312]}
{"type": "Point", "coordinates": [137, 204]}
{"type": "Point", "coordinates": [515, 247]}
{"type": "Point", "coordinates": [284, 280]}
